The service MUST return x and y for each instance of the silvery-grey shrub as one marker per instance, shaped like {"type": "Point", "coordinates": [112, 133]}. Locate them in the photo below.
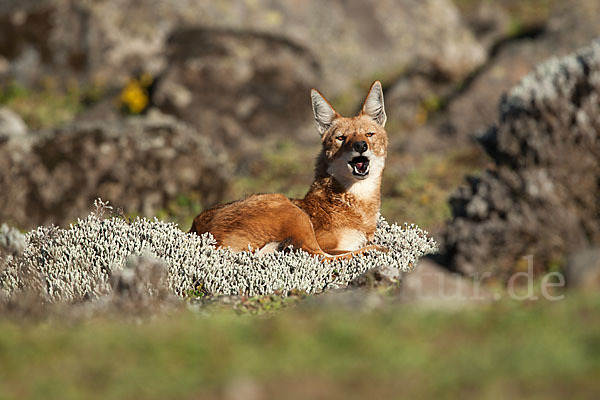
{"type": "Point", "coordinates": [87, 261]}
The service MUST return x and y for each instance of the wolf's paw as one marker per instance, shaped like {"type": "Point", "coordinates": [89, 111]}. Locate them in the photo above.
{"type": "Point", "coordinates": [382, 249]}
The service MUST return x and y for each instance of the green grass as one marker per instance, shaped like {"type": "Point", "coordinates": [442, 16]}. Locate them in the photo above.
{"type": "Point", "coordinates": [533, 350]}
{"type": "Point", "coordinates": [181, 211]}
{"type": "Point", "coordinates": [521, 13]}
{"type": "Point", "coordinates": [286, 167]}
{"type": "Point", "coordinates": [45, 108]}
{"type": "Point", "coordinates": [416, 190]}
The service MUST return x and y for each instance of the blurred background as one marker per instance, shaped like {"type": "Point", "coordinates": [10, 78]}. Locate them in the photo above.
{"type": "Point", "coordinates": [239, 74]}
{"type": "Point", "coordinates": [165, 108]}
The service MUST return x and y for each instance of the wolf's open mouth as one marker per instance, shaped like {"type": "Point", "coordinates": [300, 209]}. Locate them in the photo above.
{"type": "Point", "coordinates": [360, 166]}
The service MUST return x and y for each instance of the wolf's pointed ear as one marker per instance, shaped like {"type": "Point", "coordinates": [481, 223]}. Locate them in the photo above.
{"type": "Point", "coordinates": [373, 106]}
{"type": "Point", "coordinates": [324, 112]}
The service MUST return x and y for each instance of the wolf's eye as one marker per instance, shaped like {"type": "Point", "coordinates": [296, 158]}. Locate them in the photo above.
{"type": "Point", "coordinates": [341, 138]}
{"type": "Point", "coordinates": [369, 134]}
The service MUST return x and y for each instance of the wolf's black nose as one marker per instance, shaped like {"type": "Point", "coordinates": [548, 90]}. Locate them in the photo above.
{"type": "Point", "coordinates": [360, 147]}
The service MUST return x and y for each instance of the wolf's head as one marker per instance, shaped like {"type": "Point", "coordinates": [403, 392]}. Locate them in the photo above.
{"type": "Point", "coordinates": [354, 149]}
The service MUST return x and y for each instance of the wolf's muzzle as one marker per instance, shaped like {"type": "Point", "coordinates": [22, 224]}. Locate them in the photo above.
{"type": "Point", "coordinates": [360, 166]}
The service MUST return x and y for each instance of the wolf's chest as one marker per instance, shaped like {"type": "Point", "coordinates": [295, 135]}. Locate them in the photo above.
{"type": "Point", "coordinates": [350, 239]}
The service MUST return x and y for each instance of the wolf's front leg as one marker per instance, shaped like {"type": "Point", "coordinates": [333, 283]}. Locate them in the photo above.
{"type": "Point", "coordinates": [347, 255]}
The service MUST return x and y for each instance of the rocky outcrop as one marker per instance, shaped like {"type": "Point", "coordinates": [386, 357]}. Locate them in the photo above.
{"type": "Point", "coordinates": [440, 112]}
{"type": "Point", "coordinates": [238, 70]}
{"type": "Point", "coordinates": [139, 164]}
{"type": "Point", "coordinates": [237, 87]}
{"type": "Point", "coordinates": [430, 285]}
{"type": "Point", "coordinates": [541, 198]}
{"type": "Point", "coordinates": [107, 40]}
{"type": "Point", "coordinates": [11, 125]}
{"type": "Point", "coordinates": [582, 270]}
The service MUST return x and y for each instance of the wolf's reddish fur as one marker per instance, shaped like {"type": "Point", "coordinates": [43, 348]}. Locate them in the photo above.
{"type": "Point", "coordinates": [337, 217]}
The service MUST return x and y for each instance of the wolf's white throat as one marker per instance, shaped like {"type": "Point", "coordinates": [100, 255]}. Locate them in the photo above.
{"type": "Point", "coordinates": [361, 187]}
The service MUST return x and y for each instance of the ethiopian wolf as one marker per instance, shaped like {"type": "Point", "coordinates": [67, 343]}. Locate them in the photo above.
{"type": "Point", "coordinates": [337, 218]}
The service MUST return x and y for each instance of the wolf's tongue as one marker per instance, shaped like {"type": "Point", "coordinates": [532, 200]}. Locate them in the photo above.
{"type": "Point", "coordinates": [359, 165]}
